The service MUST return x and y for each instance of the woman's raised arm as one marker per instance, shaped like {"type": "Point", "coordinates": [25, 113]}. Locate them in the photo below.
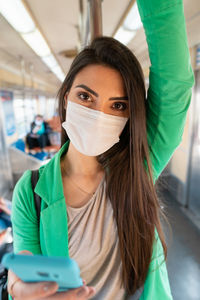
{"type": "Point", "coordinates": [171, 77]}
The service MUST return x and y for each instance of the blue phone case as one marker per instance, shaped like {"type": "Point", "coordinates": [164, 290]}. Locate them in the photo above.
{"type": "Point", "coordinates": [34, 268]}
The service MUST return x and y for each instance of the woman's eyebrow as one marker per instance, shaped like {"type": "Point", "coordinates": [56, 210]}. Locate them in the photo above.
{"type": "Point", "coordinates": [119, 98]}
{"type": "Point", "coordinates": [85, 87]}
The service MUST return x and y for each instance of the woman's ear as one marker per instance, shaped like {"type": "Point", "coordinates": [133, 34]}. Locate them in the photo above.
{"type": "Point", "coordinates": [65, 100]}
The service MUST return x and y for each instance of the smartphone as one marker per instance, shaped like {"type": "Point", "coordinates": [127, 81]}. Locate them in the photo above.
{"type": "Point", "coordinates": [35, 268]}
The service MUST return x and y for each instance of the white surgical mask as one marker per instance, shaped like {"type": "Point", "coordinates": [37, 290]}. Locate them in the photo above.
{"type": "Point", "coordinates": [38, 122]}
{"type": "Point", "coordinates": [92, 132]}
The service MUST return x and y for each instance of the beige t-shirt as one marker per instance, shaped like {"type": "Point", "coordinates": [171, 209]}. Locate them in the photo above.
{"type": "Point", "coordinates": [93, 243]}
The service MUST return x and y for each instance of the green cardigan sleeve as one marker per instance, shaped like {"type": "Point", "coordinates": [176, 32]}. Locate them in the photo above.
{"type": "Point", "coordinates": [170, 80]}
{"type": "Point", "coordinates": [24, 218]}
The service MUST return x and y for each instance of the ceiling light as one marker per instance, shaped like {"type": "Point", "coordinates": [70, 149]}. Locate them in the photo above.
{"type": "Point", "coordinates": [131, 24]}
{"type": "Point", "coordinates": [37, 43]}
{"type": "Point", "coordinates": [53, 66]}
{"type": "Point", "coordinates": [124, 36]}
{"type": "Point", "coordinates": [49, 61]}
{"type": "Point", "coordinates": [59, 73]}
{"type": "Point", "coordinates": [133, 21]}
{"type": "Point", "coordinates": [16, 14]}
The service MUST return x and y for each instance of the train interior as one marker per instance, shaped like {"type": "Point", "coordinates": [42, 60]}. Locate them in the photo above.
{"type": "Point", "coordinates": [35, 56]}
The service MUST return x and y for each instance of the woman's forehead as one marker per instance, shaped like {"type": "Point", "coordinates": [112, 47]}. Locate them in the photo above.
{"type": "Point", "coordinates": [100, 77]}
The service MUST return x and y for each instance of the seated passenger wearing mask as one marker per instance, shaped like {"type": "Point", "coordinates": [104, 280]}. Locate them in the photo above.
{"type": "Point", "coordinates": [38, 137]}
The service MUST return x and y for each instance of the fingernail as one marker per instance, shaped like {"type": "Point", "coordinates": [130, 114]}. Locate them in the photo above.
{"type": "Point", "coordinates": [48, 286]}
{"type": "Point", "coordinates": [82, 292]}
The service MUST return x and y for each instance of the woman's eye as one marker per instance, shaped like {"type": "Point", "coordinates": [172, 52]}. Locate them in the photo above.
{"type": "Point", "coordinates": [84, 96]}
{"type": "Point", "coordinates": [119, 106]}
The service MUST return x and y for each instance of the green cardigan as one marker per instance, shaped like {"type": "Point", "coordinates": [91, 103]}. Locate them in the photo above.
{"type": "Point", "coordinates": [169, 94]}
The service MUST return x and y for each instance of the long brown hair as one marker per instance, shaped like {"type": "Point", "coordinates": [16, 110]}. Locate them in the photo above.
{"type": "Point", "coordinates": [129, 179]}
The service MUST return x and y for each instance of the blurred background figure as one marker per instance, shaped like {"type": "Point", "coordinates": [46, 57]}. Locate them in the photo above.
{"type": "Point", "coordinates": [38, 136]}
{"type": "Point", "coordinates": [5, 226]}
{"type": "Point", "coordinates": [5, 208]}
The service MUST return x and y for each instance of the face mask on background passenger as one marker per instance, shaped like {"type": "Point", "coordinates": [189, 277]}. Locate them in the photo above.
{"type": "Point", "coordinates": [92, 132]}
{"type": "Point", "coordinates": [38, 122]}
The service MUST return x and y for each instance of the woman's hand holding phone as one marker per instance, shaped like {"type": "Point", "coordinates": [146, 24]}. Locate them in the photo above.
{"type": "Point", "coordinates": [20, 290]}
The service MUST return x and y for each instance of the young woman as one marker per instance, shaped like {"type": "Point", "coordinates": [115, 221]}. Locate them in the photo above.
{"type": "Point", "coordinates": [98, 204]}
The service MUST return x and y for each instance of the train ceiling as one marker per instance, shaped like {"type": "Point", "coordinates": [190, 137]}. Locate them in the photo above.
{"type": "Point", "coordinates": [58, 21]}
